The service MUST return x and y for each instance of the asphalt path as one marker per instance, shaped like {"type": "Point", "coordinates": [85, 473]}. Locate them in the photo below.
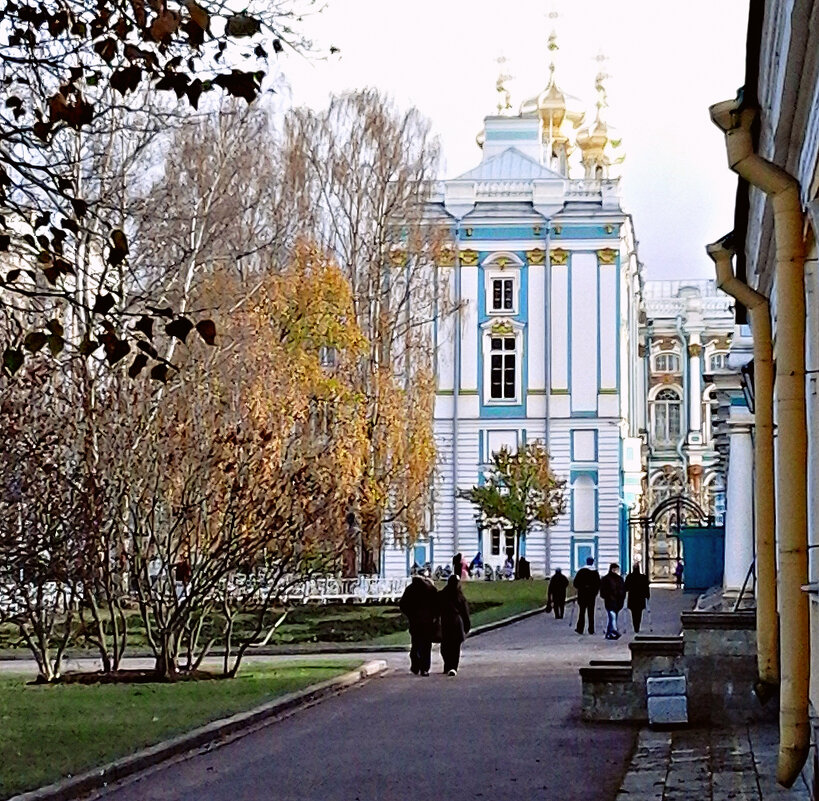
{"type": "Point", "coordinates": [507, 727]}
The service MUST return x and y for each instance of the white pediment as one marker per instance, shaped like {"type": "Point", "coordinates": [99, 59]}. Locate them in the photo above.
{"type": "Point", "coordinates": [511, 164]}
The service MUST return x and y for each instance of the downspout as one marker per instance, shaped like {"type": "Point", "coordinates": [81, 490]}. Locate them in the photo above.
{"type": "Point", "coordinates": [791, 440]}
{"type": "Point", "coordinates": [767, 622]}
{"type": "Point", "coordinates": [456, 388]}
{"type": "Point", "coordinates": [547, 366]}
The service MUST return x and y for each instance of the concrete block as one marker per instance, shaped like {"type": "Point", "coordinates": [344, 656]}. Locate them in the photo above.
{"type": "Point", "coordinates": [667, 709]}
{"type": "Point", "coordinates": [665, 685]}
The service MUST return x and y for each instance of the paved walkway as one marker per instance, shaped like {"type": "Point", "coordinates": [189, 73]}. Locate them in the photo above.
{"type": "Point", "coordinates": [736, 764]}
{"type": "Point", "coordinates": [507, 727]}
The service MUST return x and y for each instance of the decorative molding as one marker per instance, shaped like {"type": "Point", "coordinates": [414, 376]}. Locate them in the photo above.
{"type": "Point", "coordinates": [641, 350]}
{"type": "Point", "coordinates": [607, 256]}
{"type": "Point", "coordinates": [536, 256]}
{"type": "Point", "coordinates": [469, 258]}
{"type": "Point", "coordinates": [445, 257]}
{"type": "Point", "coordinates": [502, 327]}
{"type": "Point", "coordinates": [558, 230]}
{"type": "Point", "coordinates": [694, 350]}
{"type": "Point", "coordinates": [559, 256]}
{"type": "Point", "coordinates": [536, 230]}
{"type": "Point", "coordinates": [398, 257]}
{"type": "Point", "coordinates": [467, 391]}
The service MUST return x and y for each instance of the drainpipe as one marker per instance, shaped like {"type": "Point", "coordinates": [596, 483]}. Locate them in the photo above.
{"type": "Point", "coordinates": [547, 366]}
{"type": "Point", "coordinates": [456, 388]}
{"type": "Point", "coordinates": [791, 440]}
{"type": "Point", "coordinates": [767, 622]}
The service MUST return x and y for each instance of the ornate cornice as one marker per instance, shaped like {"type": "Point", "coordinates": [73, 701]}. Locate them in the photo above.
{"type": "Point", "coordinates": [559, 256]}
{"type": "Point", "coordinates": [536, 256]}
{"type": "Point", "coordinates": [469, 258]}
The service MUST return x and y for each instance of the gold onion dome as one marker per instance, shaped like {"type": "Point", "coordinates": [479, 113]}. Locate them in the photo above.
{"type": "Point", "coordinates": [595, 137]}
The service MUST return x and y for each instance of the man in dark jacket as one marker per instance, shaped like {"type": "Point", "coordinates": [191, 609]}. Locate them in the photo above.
{"type": "Point", "coordinates": [455, 624]}
{"type": "Point", "coordinates": [613, 593]}
{"type": "Point", "coordinates": [556, 595]}
{"type": "Point", "coordinates": [638, 594]}
{"type": "Point", "coordinates": [587, 584]}
{"type": "Point", "coordinates": [420, 604]}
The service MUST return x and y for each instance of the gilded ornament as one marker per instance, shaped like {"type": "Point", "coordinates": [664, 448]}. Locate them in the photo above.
{"type": "Point", "coordinates": [398, 257]}
{"type": "Point", "coordinates": [536, 256]}
{"type": "Point", "coordinates": [558, 230]}
{"type": "Point", "coordinates": [606, 256]}
{"type": "Point", "coordinates": [536, 230]}
{"type": "Point", "coordinates": [502, 327]}
{"type": "Point", "coordinates": [446, 257]}
{"type": "Point", "coordinates": [694, 350]}
{"type": "Point", "coordinates": [469, 258]}
{"type": "Point", "coordinates": [559, 256]}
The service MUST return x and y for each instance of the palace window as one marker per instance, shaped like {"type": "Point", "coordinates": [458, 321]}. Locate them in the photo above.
{"type": "Point", "coordinates": [718, 361]}
{"type": "Point", "coordinates": [666, 409]}
{"type": "Point", "coordinates": [503, 294]}
{"type": "Point", "coordinates": [584, 504]}
{"type": "Point", "coordinates": [498, 538]}
{"type": "Point", "coordinates": [503, 368]}
{"type": "Point", "coordinates": [666, 362]}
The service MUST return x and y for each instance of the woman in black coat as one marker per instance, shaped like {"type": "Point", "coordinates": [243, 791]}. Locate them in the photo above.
{"type": "Point", "coordinates": [455, 624]}
{"type": "Point", "coordinates": [638, 593]}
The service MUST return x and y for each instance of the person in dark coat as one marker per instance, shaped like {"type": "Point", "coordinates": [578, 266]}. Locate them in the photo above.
{"type": "Point", "coordinates": [638, 593]}
{"type": "Point", "coordinates": [587, 584]}
{"type": "Point", "coordinates": [613, 593]}
{"type": "Point", "coordinates": [556, 595]}
{"type": "Point", "coordinates": [420, 604]}
{"type": "Point", "coordinates": [455, 623]}
{"type": "Point", "coordinates": [457, 565]}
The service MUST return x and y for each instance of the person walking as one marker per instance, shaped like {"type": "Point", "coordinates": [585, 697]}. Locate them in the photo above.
{"type": "Point", "coordinates": [455, 623]}
{"type": "Point", "coordinates": [420, 604]}
{"type": "Point", "coordinates": [637, 593]}
{"type": "Point", "coordinates": [613, 593]}
{"type": "Point", "coordinates": [678, 574]}
{"type": "Point", "coordinates": [587, 584]}
{"type": "Point", "coordinates": [457, 565]}
{"type": "Point", "coordinates": [556, 594]}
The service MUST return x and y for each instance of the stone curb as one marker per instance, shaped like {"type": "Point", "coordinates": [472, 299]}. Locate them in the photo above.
{"type": "Point", "coordinates": [96, 779]}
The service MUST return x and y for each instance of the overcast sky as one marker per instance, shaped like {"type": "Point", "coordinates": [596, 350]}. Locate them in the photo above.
{"type": "Point", "coordinates": [667, 61]}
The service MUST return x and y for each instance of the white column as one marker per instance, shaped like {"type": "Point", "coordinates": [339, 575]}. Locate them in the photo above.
{"type": "Point", "coordinates": [739, 515]}
{"type": "Point", "coordinates": [694, 384]}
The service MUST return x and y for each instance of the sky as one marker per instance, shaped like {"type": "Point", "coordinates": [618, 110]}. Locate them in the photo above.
{"type": "Point", "coordinates": [667, 63]}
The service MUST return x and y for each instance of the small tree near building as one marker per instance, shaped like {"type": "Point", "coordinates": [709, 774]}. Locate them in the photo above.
{"type": "Point", "coordinates": [519, 490]}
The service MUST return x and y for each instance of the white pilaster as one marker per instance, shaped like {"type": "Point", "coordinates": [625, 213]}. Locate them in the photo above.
{"type": "Point", "coordinates": [694, 383]}
{"type": "Point", "coordinates": [739, 515]}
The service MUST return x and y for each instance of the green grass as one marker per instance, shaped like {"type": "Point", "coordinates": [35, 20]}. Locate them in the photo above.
{"type": "Point", "coordinates": [489, 601]}
{"type": "Point", "coordinates": [378, 624]}
{"type": "Point", "coordinates": [47, 732]}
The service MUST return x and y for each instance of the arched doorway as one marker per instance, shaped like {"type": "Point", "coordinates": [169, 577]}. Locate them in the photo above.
{"type": "Point", "coordinates": [654, 538]}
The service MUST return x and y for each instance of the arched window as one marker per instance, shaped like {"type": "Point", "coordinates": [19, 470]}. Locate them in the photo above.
{"type": "Point", "coordinates": [666, 362]}
{"type": "Point", "coordinates": [666, 416]}
{"type": "Point", "coordinates": [709, 397]}
{"type": "Point", "coordinates": [584, 504]}
{"type": "Point", "coordinates": [718, 361]}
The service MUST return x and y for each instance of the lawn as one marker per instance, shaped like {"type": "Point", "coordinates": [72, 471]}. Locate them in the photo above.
{"type": "Point", "coordinates": [378, 624]}
{"type": "Point", "coordinates": [489, 601]}
{"type": "Point", "coordinates": [47, 732]}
